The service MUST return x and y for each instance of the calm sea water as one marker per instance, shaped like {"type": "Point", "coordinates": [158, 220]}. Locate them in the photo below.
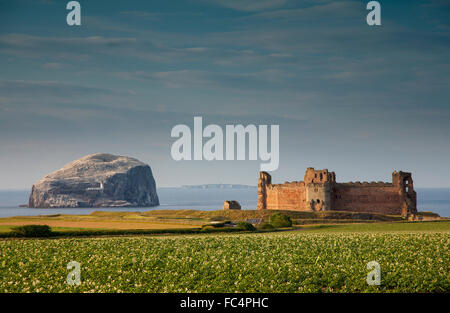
{"type": "Point", "coordinates": [436, 200]}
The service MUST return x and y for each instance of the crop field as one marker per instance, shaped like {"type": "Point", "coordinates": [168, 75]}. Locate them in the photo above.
{"type": "Point", "coordinates": [272, 262]}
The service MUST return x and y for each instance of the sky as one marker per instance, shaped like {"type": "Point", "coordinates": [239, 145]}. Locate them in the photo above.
{"type": "Point", "coordinates": [359, 100]}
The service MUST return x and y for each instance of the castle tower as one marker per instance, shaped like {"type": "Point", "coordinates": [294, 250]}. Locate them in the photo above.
{"type": "Point", "coordinates": [405, 184]}
{"type": "Point", "coordinates": [264, 180]}
{"type": "Point", "coordinates": [318, 185]}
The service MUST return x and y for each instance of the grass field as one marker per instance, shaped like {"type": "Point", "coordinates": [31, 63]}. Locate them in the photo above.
{"type": "Point", "coordinates": [435, 226]}
{"type": "Point", "coordinates": [414, 257]}
{"type": "Point", "coordinates": [180, 219]}
{"type": "Point", "coordinates": [157, 221]}
{"type": "Point", "coordinates": [113, 220]}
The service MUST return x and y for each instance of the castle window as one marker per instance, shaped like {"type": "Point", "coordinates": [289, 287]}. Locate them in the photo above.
{"type": "Point", "coordinates": [318, 201]}
{"type": "Point", "coordinates": [406, 184]}
{"type": "Point", "coordinates": [321, 176]}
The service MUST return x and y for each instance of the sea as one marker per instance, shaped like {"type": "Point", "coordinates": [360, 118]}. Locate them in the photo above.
{"type": "Point", "coordinates": [428, 199]}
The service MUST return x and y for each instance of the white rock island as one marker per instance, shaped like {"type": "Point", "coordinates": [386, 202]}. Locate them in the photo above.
{"type": "Point", "coordinates": [97, 180]}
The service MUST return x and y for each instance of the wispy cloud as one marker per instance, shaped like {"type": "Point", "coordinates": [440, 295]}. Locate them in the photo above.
{"type": "Point", "coordinates": [54, 65]}
{"type": "Point", "coordinates": [74, 48]}
{"type": "Point", "coordinates": [54, 89]}
{"type": "Point", "coordinates": [248, 5]}
{"type": "Point", "coordinates": [195, 78]}
{"type": "Point", "coordinates": [323, 11]}
{"type": "Point", "coordinates": [159, 15]}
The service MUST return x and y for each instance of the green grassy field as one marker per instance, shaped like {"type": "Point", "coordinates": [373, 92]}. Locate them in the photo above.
{"type": "Point", "coordinates": [435, 226]}
{"type": "Point", "coordinates": [165, 219]}
{"type": "Point", "coordinates": [8, 228]}
{"type": "Point", "coordinates": [414, 257]}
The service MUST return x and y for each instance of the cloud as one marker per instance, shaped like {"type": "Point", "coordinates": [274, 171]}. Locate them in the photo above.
{"type": "Point", "coordinates": [324, 11]}
{"type": "Point", "coordinates": [54, 99]}
{"type": "Point", "coordinates": [248, 5]}
{"type": "Point", "coordinates": [81, 50]}
{"type": "Point", "coordinates": [51, 89]}
{"type": "Point", "coordinates": [198, 78]}
{"type": "Point", "coordinates": [159, 15]}
{"type": "Point", "coordinates": [69, 48]}
{"type": "Point", "coordinates": [436, 3]}
{"type": "Point", "coordinates": [54, 65]}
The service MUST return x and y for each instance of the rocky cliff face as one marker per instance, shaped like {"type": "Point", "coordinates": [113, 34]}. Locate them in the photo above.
{"type": "Point", "coordinates": [97, 180]}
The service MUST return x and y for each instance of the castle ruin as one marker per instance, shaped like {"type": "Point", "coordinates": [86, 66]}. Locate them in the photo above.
{"type": "Point", "coordinates": [320, 192]}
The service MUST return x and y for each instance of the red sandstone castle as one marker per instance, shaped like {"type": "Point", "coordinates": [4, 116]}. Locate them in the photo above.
{"type": "Point", "coordinates": [320, 191]}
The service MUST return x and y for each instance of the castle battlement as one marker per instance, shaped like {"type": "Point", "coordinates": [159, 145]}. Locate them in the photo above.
{"type": "Point", "coordinates": [320, 192]}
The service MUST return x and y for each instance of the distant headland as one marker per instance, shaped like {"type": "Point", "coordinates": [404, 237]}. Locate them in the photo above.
{"type": "Point", "coordinates": [218, 186]}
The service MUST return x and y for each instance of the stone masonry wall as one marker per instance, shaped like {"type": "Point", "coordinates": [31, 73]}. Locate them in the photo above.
{"type": "Point", "coordinates": [287, 196]}
{"type": "Point", "coordinates": [367, 197]}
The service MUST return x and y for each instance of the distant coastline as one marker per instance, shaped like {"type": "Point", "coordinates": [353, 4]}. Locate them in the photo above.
{"type": "Point", "coordinates": [218, 186]}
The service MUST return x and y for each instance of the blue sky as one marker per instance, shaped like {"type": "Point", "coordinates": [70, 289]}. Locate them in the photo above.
{"type": "Point", "coordinates": [359, 100]}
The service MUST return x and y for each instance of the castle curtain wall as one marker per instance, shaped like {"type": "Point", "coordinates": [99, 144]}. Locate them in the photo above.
{"type": "Point", "coordinates": [381, 198]}
{"type": "Point", "coordinates": [353, 197]}
{"type": "Point", "coordinates": [287, 196]}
